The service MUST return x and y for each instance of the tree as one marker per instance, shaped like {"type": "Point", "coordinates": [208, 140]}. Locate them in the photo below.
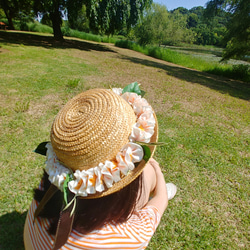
{"type": "Point", "coordinates": [14, 9]}
{"type": "Point", "coordinates": [192, 20]}
{"type": "Point", "coordinates": [181, 10]}
{"type": "Point", "coordinates": [177, 30]}
{"type": "Point", "coordinates": [163, 28]}
{"type": "Point", "coordinates": [54, 9]}
{"type": "Point", "coordinates": [109, 16]}
{"type": "Point", "coordinates": [237, 35]}
{"type": "Point", "coordinates": [153, 28]}
{"type": "Point", "coordinates": [77, 17]}
{"type": "Point", "coordinates": [105, 16]}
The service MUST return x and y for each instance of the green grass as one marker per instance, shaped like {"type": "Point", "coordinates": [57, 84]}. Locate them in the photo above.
{"type": "Point", "coordinates": [67, 32]}
{"type": "Point", "coordinates": [206, 131]}
{"type": "Point", "coordinates": [202, 63]}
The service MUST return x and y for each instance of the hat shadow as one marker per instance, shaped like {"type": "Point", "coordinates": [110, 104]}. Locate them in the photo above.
{"type": "Point", "coordinates": [11, 230]}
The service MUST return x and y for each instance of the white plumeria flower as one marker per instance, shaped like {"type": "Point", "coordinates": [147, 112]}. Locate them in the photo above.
{"type": "Point", "coordinates": [133, 151]}
{"type": "Point", "coordinates": [57, 173]}
{"type": "Point", "coordinates": [58, 179]}
{"type": "Point", "coordinates": [94, 182]}
{"type": "Point", "coordinates": [130, 97]}
{"type": "Point", "coordinates": [91, 181]}
{"type": "Point", "coordinates": [111, 173]}
{"type": "Point", "coordinates": [140, 106]}
{"type": "Point", "coordinates": [118, 91]}
{"type": "Point", "coordinates": [123, 165]}
{"type": "Point", "coordinates": [99, 187]}
{"type": "Point", "coordinates": [148, 116]}
{"type": "Point", "coordinates": [129, 154]}
{"type": "Point", "coordinates": [141, 133]}
{"type": "Point", "coordinates": [107, 176]}
{"type": "Point", "coordinates": [79, 184]}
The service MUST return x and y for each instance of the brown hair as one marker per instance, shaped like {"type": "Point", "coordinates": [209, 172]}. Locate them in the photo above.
{"type": "Point", "coordinates": [92, 214]}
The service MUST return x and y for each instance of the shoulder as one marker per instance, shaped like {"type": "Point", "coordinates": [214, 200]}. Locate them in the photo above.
{"type": "Point", "coordinates": [148, 216]}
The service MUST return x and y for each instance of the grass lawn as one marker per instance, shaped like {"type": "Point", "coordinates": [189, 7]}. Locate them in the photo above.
{"type": "Point", "coordinates": [204, 119]}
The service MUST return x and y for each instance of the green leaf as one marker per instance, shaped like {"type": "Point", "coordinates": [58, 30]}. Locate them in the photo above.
{"type": "Point", "coordinates": [74, 207]}
{"type": "Point", "coordinates": [151, 143]}
{"type": "Point", "coordinates": [69, 204]}
{"type": "Point", "coordinates": [41, 149]}
{"type": "Point", "coordinates": [147, 153]}
{"type": "Point", "coordinates": [65, 187]}
{"type": "Point", "coordinates": [133, 87]}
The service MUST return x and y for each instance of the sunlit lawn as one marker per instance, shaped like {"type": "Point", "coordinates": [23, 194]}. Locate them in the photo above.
{"type": "Point", "coordinates": [207, 132]}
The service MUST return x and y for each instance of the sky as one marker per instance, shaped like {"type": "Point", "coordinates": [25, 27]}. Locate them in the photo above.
{"type": "Point", "coordinates": [188, 4]}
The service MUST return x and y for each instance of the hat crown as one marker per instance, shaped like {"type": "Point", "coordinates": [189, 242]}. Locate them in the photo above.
{"type": "Point", "coordinates": [91, 128]}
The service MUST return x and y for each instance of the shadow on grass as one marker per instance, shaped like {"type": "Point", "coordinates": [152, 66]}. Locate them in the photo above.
{"type": "Point", "coordinates": [224, 85]}
{"type": "Point", "coordinates": [11, 230]}
{"type": "Point", "coordinates": [28, 39]}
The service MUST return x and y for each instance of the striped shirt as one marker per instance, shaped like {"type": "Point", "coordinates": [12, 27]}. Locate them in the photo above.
{"type": "Point", "coordinates": [132, 234]}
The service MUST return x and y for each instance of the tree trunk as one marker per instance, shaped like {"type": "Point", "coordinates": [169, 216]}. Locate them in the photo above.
{"type": "Point", "coordinates": [10, 22]}
{"type": "Point", "coordinates": [11, 25]}
{"type": "Point", "coordinates": [56, 23]}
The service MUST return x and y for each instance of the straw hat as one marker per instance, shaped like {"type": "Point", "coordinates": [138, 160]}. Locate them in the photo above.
{"type": "Point", "coordinates": [91, 129]}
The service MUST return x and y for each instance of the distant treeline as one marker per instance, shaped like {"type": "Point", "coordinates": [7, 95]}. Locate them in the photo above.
{"type": "Point", "coordinates": [223, 23]}
{"type": "Point", "coordinates": [163, 27]}
{"type": "Point", "coordinates": [158, 26]}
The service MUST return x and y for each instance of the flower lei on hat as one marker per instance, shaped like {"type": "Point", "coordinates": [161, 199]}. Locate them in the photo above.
{"type": "Point", "coordinates": [84, 182]}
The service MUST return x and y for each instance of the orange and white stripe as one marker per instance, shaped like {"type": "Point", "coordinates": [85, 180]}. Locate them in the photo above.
{"type": "Point", "coordinates": [133, 234]}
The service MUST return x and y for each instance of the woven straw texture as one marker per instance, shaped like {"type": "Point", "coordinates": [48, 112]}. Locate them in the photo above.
{"type": "Point", "coordinates": [132, 175]}
{"type": "Point", "coordinates": [91, 128]}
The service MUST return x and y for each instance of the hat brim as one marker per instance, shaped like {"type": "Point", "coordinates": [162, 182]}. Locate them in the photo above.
{"type": "Point", "coordinates": [132, 175]}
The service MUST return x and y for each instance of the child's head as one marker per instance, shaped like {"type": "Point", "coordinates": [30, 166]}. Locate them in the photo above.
{"type": "Point", "coordinates": [95, 141]}
{"type": "Point", "coordinates": [100, 142]}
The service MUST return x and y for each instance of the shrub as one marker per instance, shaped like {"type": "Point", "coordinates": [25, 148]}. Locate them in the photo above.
{"type": "Point", "coordinates": [36, 27]}
{"type": "Point", "coordinates": [241, 71]}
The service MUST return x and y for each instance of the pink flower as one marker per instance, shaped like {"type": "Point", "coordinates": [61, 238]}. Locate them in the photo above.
{"type": "Point", "coordinates": [130, 97]}
{"type": "Point", "coordinates": [140, 106]}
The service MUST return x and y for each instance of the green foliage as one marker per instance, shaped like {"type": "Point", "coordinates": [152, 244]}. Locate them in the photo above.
{"type": "Point", "coordinates": [2, 14]}
{"type": "Point", "coordinates": [73, 83]}
{"type": "Point", "coordinates": [22, 106]}
{"type": "Point", "coordinates": [158, 26]}
{"type": "Point", "coordinates": [237, 35]}
{"type": "Point", "coordinates": [37, 27]}
{"type": "Point", "coordinates": [101, 17]}
{"type": "Point", "coordinates": [77, 17]}
{"type": "Point", "coordinates": [153, 28]}
{"type": "Point", "coordinates": [240, 72]}
{"type": "Point", "coordinates": [109, 16]}
{"type": "Point", "coordinates": [46, 20]}
{"type": "Point", "coordinates": [17, 9]}
{"type": "Point", "coordinates": [81, 35]}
